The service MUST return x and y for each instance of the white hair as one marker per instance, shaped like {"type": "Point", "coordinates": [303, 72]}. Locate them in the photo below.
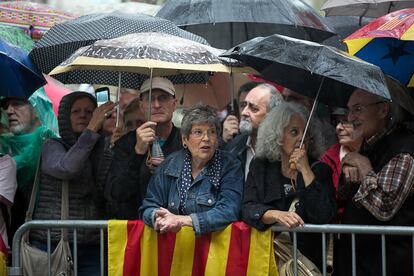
{"type": "Point", "coordinates": [270, 133]}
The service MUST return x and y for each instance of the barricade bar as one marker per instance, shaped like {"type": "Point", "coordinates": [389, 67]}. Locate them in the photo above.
{"type": "Point", "coordinates": [348, 229]}
{"type": "Point", "coordinates": [16, 268]}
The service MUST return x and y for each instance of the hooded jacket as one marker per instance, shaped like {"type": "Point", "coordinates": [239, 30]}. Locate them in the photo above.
{"type": "Point", "coordinates": [71, 158]}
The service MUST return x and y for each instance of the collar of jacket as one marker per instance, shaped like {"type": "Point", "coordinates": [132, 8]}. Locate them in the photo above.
{"type": "Point", "coordinates": [176, 163]}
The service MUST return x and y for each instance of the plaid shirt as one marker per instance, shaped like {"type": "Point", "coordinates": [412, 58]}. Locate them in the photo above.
{"type": "Point", "coordinates": [384, 193]}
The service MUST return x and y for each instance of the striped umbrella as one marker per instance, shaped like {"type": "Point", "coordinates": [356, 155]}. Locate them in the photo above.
{"type": "Point", "coordinates": [34, 18]}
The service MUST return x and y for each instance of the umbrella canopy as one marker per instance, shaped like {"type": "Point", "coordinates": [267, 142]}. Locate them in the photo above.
{"type": "Point", "coordinates": [368, 8]}
{"type": "Point", "coordinates": [302, 65]}
{"type": "Point", "coordinates": [64, 39]}
{"type": "Point", "coordinates": [34, 18]}
{"type": "Point", "coordinates": [55, 92]}
{"type": "Point", "coordinates": [19, 76]}
{"type": "Point", "coordinates": [227, 23]}
{"type": "Point", "coordinates": [16, 36]}
{"type": "Point", "coordinates": [389, 43]}
{"type": "Point", "coordinates": [87, 7]}
{"type": "Point", "coordinates": [39, 99]}
{"type": "Point", "coordinates": [137, 53]}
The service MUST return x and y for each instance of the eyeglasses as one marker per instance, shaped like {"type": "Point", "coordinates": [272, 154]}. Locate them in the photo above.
{"type": "Point", "coordinates": [198, 133]}
{"type": "Point", "coordinates": [161, 98]}
{"type": "Point", "coordinates": [356, 110]}
{"type": "Point", "coordinates": [345, 123]}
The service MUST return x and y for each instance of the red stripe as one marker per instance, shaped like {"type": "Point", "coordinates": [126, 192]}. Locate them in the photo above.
{"type": "Point", "coordinates": [3, 247]}
{"type": "Point", "coordinates": [132, 259]}
{"type": "Point", "coordinates": [166, 244]}
{"type": "Point", "coordinates": [238, 257]}
{"type": "Point", "coordinates": [201, 248]}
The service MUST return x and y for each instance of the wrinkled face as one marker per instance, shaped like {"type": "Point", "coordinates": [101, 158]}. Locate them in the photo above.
{"type": "Point", "coordinates": [22, 118]}
{"type": "Point", "coordinates": [255, 108]}
{"type": "Point", "coordinates": [347, 135]}
{"type": "Point", "coordinates": [163, 105]}
{"type": "Point", "coordinates": [81, 113]}
{"type": "Point", "coordinates": [292, 134]}
{"type": "Point", "coordinates": [202, 142]}
{"type": "Point", "coordinates": [133, 120]}
{"type": "Point", "coordinates": [367, 113]}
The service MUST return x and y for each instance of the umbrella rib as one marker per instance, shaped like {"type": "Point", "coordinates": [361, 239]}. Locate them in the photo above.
{"type": "Point", "coordinates": [311, 113]}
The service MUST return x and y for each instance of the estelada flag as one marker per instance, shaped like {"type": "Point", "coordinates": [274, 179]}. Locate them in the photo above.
{"type": "Point", "coordinates": [136, 249]}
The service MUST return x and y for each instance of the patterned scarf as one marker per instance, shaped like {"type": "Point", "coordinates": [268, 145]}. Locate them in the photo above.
{"type": "Point", "coordinates": [213, 169]}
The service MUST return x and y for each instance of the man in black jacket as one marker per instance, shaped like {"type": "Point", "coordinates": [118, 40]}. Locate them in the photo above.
{"type": "Point", "coordinates": [258, 102]}
{"type": "Point", "coordinates": [132, 167]}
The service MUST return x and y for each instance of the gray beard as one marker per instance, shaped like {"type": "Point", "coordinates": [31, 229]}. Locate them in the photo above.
{"type": "Point", "coordinates": [245, 127]}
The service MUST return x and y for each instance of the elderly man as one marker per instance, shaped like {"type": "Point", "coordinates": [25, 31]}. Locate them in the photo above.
{"type": "Point", "coordinates": [257, 103]}
{"type": "Point", "coordinates": [231, 123]}
{"type": "Point", "coordinates": [380, 181]}
{"type": "Point", "coordinates": [23, 143]}
{"type": "Point", "coordinates": [132, 165]}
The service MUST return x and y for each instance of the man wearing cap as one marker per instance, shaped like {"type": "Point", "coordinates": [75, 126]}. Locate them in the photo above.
{"type": "Point", "coordinates": [132, 165]}
{"type": "Point", "coordinates": [23, 143]}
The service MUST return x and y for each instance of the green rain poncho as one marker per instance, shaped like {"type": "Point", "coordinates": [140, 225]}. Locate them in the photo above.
{"type": "Point", "coordinates": [25, 150]}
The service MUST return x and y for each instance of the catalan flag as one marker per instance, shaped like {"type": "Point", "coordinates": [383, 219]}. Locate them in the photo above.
{"type": "Point", "coordinates": [136, 249]}
{"type": "Point", "coordinates": [387, 42]}
{"type": "Point", "coordinates": [3, 258]}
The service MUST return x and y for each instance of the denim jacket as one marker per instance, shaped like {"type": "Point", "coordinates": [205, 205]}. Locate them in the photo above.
{"type": "Point", "coordinates": [210, 209]}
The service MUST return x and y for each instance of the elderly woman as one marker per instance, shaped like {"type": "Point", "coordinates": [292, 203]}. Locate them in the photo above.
{"type": "Point", "coordinates": [199, 186]}
{"type": "Point", "coordinates": [74, 158]}
{"type": "Point", "coordinates": [282, 172]}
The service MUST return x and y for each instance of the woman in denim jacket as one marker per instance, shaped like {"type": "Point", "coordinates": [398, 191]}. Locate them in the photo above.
{"type": "Point", "coordinates": [199, 186]}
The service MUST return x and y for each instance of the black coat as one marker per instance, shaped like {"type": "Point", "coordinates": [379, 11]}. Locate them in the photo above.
{"type": "Point", "coordinates": [129, 176]}
{"type": "Point", "coordinates": [265, 190]}
{"type": "Point", "coordinates": [238, 147]}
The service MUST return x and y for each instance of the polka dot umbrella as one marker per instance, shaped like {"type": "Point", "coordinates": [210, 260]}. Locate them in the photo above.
{"type": "Point", "coordinates": [64, 39]}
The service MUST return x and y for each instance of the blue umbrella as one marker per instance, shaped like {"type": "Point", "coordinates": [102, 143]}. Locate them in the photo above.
{"type": "Point", "coordinates": [19, 77]}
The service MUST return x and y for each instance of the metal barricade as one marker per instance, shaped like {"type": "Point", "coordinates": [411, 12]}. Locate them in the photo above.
{"type": "Point", "coordinates": [346, 229]}
{"type": "Point", "coordinates": [47, 225]}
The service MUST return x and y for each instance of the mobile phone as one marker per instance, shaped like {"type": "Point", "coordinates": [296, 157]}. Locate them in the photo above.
{"type": "Point", "coordinates": [102, 95]}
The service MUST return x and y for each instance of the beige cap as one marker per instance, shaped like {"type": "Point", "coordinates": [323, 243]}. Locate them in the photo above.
{"type": "Point", "coordinates": [158, 83]}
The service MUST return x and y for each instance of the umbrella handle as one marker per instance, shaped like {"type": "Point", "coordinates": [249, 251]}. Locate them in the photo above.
{"type": "Point", "coordinates": [150, 94]}
{"type": "Point", "coordinates": [315, 102]}
{"type": "Point", "coordinates": [118, 96]}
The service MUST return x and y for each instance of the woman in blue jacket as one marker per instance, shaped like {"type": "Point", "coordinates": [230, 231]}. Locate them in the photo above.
{"type": "Point", "coordinates": [199, 186]}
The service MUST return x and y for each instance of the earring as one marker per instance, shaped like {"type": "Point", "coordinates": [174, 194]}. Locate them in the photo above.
{"type": "Point", "coordinates": [185, 146]}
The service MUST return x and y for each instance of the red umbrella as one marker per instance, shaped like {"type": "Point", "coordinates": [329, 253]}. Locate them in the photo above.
{"type": "Point", "coordinates": [55, 91]}
{"type": "Point", "coordinates": [34, 18]}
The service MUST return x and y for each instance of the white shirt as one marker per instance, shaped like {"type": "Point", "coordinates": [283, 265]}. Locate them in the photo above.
{"type": "Point", "coordinates": [250, 153]}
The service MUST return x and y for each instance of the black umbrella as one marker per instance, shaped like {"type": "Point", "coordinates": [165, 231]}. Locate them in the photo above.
{"type": "Point", "coordinates": [64, 39]}
{"type": "Point", "coordinates": [343, 26]}
{"type": "Point", "coordinates": [320, 72]}
{"type": "Point", "coordinates": [302, 65]}
{"type": "Point", "coordinates": [227, 23]}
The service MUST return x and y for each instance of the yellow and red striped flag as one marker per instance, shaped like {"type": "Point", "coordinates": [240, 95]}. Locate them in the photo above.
{"type": "Point", "coordinates": [3, 257]}
{"type": "Point", "coordinates": [135, 249]}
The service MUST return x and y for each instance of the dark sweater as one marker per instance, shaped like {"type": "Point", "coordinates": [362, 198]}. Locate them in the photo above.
{"type": "Point", "coordinates": [129, 176]}
{"type": "Point", "coordinates": [267, 189]}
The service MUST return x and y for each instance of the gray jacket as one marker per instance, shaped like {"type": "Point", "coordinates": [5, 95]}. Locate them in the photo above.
{"type": "Point", "coordinates": [75, 159]}
{"type": "Point", "coordinates": [74, 165]}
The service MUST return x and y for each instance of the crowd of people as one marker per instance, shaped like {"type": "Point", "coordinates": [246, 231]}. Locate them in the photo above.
{"type": "Point", "coordinates": [253, 167]}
